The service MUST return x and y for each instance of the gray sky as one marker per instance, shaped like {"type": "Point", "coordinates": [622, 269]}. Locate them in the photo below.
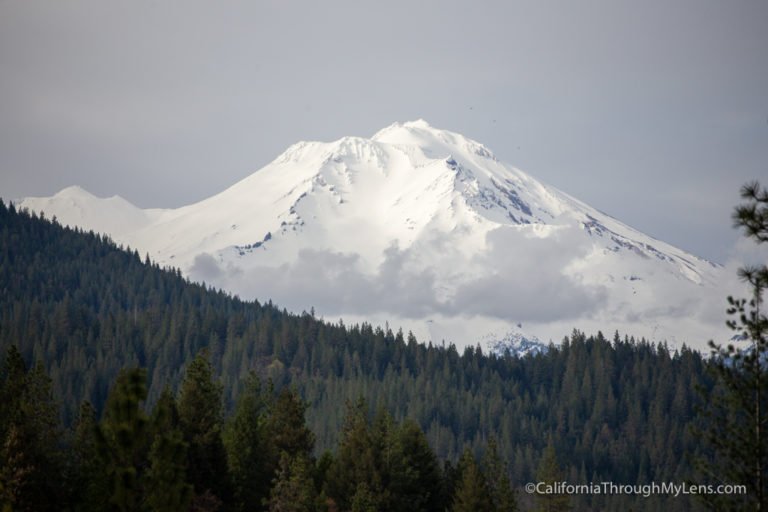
{"type": "Point", "coordinates": [654, 112]}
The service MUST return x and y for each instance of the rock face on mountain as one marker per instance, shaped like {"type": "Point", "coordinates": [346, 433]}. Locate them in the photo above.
{"type": "Point", "coordinates": [423, 228]}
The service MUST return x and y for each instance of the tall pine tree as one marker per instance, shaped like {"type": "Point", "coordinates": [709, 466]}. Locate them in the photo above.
{"type": "Point", "coordinates": [472, 490]}
{"type": "Point", "coordinates": [201, 422]}
{"type": "Point", "coordinates": [88, 481]}
{"type": "Point", "coordinates": [30, 458]}
{"type": "Point", "coordinates": [122, 440]}
{"type": "Point", "coordinates": [250, 452]}
{"type": "Point", "coordinates": [550, 473]}
{"type": "Point", "coordinates": [736, 413]}
{"type": "Point", "coordinates": [293, 489]}
{"type": "Point", "coordinates": [167, 487]}
{"type": "Point", "coordinates": [497, 475]}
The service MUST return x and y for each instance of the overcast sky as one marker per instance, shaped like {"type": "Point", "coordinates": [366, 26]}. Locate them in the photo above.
{"type": "Point", "coordinates": [654, 112]}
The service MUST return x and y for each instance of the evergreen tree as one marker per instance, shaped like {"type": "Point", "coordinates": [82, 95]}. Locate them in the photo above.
{"type": "Point", "coordinates": [287, 425]}
{"type": "Point", "coordinates": [737, 412]}
{"type": "Point", "coordinates": [30, 459]}
{"type": "Point", "coordinates": [88, 480]}
{"type": "Point", "coordinates": [355, 472]}
{"type": "Point", "coordinates": [121, 439]}
{"type": "Point", "coordinates": [497, 477]}
{"type": "Point", "coordinates": [250, 453]}
{"type": "Point", "coordinates": [472, 490]}
{"type": "Point", "coordinates": [416, 480]}
{"type": "Point", "coordinates": [364, 499]}
{"type": "Point", "coordinates": [293, 488]}
{"type": "Point", "coordinates": [140, 464]}
{"type": "Point", "coordinates": [15, 470]}
{"type": "Point", "coordinates": [200, 419]}
{"type": "Point", "coordinates": [168, 490]}
{"type": "Point", "coordinates": [165, 415]}
{"type": "Point", "coordinates": [549, 473]}
{"type": "Point", "coordinates": [12, 388]}
{"type": "Point", "coordinates": [167, 487]}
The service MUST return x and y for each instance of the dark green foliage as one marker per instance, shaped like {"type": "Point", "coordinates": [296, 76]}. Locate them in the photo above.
{"type": "Point", "coordinates": [752, 216]}
{"type": "Point", "coordinates": [30, 461]}
{"type": "Point", "coordinates": [616, 410]}
{"type": "Point", "coordinates": [168, 490]}
{"type": "Point", "coordinates": [165, 415]}
{"type": "Point", "coordinates": [497, 479]}
{"type": "Point", "coordinates": [287, 426]}
{"type": "Point", "coordinates": [201, 423]}
{"type": "Point", "coordinates": [416, 478]}
{"type": "Point", "coordinates": [140, 463]}
{"type": "Point", "coordinates": [355, 469]}
{"type": "Point", "coordinates": [167, 487]}
{"type": "Point", "coordinates": [293, 489]}
{"type": "Point", "coordinates": [365, 499]}
{"type": "Point", "coordinates": [736, 412]}
{"type": "Point", "coordinates": [550, 475]}
{"type": "Point", "coordinates": [88, 479]}
{"type": "Point", "coordinates": [382, 465]}
{"type": "Point", "coordinates": [472, 493]}
{"type": "Point", "coordinates": [251, 455]}
{"type": "Point", "coordinates": [12, 388]}
{"type": "Point", "coordinates": [122, 441]}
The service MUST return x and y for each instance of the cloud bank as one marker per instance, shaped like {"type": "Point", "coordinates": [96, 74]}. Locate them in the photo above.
{"type": "Point", "coordinates": [512, 279]}
{"type": "Point", "coordinates": [515, 279]}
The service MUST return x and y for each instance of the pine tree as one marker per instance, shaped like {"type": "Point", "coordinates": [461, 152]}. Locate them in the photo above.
{"type": "Point", "coordinates": [356, 470]}
{"type": "Point", "coordinates": [549, 473]}
{"type": "Point", "coordinates": [737, 411]}
{"type": "Point", "coordinates": [293, 488]}
{"type": "Point", "coordinates": [416, 481]}
{"type": "Point", "coordinates": [167, 489]}
{"type": "Point", "coordinates": [165, 415]}
{"type": "Point", "coordinates": [88, 476]}
{"type": "Point", "coordinates": [121, 440]}
{"type": "Point", "coordinates": [12, 387]}
{"type": "Point", "coordinates": [30, 457]}
{"type": "Point", "coordinates": [15, 469]}
{"type": "Point", "coordinates": [364, 499]}
{"type": "Point", "coordinates": [287, 426]}
{"type": "Point", "coordinates": [497, 476]}
{"type": "Point", "coordinates": [472, 490]}
{"type": "Point", "coordinates": [250, 454]}
{"type": "Point", "coordinates": [200, 420]}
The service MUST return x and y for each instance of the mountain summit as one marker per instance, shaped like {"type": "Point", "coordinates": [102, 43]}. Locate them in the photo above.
{"type": "Point", "coordinates": [420, 227]}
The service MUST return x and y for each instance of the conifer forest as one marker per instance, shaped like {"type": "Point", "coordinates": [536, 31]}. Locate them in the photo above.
{"type": "Point", "coordinates": [125, 387]}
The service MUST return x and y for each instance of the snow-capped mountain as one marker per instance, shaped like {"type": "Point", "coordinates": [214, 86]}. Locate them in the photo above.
{"type": "Point", "coordinates": [420, 227]}
{"type": "Point", "coordinates": [515, 343]}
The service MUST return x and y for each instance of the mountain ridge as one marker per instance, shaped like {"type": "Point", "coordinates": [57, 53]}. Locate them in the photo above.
{"type": "Point", "coordinates": [422, 215]}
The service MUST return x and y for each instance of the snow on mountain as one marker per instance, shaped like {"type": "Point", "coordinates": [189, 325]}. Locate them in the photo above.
{"type": "Point", "coordinates": [515, 343]}
{"type": "Point", "coordinates": [77, 207]}
{"type": "Point", "coordinates": [423, 228]}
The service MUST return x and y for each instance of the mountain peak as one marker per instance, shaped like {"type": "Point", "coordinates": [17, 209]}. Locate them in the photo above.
{"type": "Point", "coordinates": [74, 191]}
{"type": "Point", "coordinates": [434, 142]}
{"type": "Point", "coordinates": [405, 129]}
{"type": "Point", "coordinates": [417, 123]}
{"type": "Point", "coordinates": [413, 223]}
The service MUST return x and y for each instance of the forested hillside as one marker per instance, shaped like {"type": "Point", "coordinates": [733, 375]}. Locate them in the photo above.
{"type": "Point", "coordinates": [614, 410]}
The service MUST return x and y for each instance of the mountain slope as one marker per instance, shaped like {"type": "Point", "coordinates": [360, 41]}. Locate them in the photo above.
{"type": "Point", "coordinates": [84, 309]}
{"type": "Point", "coordinates": [419, 227]}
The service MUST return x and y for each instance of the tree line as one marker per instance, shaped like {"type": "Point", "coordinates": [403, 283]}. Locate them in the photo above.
{"type": "Point", "coordinates": [182, 454]}
{"type": "Point", "coordinates": [602, 408]}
